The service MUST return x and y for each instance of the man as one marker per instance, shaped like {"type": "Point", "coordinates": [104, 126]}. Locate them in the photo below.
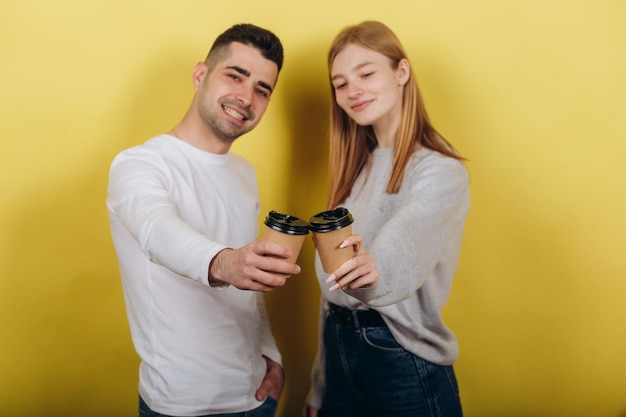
{"type": "Point", "coordinates": [183, 212]}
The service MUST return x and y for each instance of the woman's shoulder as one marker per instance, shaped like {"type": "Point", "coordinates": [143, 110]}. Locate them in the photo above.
{"type": "Point", "coordinates": [428, 163]}
{"type": "Point", "coordinates": [427, 156]}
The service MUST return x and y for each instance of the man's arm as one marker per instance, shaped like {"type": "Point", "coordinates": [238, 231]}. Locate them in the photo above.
{"type": "Point", "coordinates": [140, 203]}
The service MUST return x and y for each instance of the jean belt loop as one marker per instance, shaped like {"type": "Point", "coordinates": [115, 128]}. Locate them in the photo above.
{"type": "Point", "coordinates": [355, 318]}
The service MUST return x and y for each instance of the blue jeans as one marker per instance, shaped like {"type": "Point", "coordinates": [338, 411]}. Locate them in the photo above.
{"type": "Point", "coordinates": [368, 374]}
{"type": "Point", "coordinates": [267, 409]}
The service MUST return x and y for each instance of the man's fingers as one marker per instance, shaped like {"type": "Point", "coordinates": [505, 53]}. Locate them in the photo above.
{"type": "Point", "coordinates": [265, 247]}
{"type": "Point", "coordinates": [261, 394]}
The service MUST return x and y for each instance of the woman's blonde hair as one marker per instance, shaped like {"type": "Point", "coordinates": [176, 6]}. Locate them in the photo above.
{"type": "Point", "coordinates": [351, 144]}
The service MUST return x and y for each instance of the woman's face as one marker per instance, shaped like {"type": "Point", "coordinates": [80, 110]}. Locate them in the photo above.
{"type": "Point", "coordinates": [366, 86]}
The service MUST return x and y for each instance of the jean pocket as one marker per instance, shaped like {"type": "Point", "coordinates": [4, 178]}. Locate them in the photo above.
{"type": "Point", "coordinates": [267, 409]}
{"type": "Point", "coordinates": [382, 339]}
{"type": "Point", "coordinates": [271, 401]}
{"type": "Point", "coordinates": [144, 410]}
{"type": "Point", "coordinates": [451, 377]}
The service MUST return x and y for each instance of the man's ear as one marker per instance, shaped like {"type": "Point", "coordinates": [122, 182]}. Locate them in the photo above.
{"type": "Point", "coordinates": [403, 71]}
{"type": "Point", "coordinates": [199, 73]}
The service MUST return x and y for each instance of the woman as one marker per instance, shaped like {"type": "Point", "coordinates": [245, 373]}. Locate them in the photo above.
{"type": "Point", "coordinates": [385, 350]}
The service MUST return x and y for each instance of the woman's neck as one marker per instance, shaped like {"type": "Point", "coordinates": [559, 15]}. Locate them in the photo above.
{"type": "Point", "coordinates": [386, 130]}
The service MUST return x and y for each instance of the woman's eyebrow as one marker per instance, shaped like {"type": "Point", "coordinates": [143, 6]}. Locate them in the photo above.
{"type": "Point", "coordinates": [355, 68]}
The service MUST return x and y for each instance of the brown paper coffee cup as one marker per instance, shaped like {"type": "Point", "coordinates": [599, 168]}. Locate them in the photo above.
{"type": "Point", "coordinates": [287, 231]}
{"type": "Point", "coordinates": [330, 228]}
{"type": "Point", "coordinates": [293, 242]}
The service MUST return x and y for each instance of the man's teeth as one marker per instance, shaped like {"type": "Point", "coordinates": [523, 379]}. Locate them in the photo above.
{"type": "Point", "coordinates": [233, 113]}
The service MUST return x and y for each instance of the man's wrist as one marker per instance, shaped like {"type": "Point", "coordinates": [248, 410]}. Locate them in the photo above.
{"type": "Point", "coordinates": [215, 268]}
{"type": "Point", "coordinates": [272, 365]}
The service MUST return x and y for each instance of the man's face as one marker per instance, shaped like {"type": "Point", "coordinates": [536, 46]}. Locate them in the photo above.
{"type": "Point", "coordinates": [234, 95]}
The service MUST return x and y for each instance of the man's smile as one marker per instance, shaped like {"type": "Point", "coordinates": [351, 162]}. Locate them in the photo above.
{"type": "Point", "coordinates": [234, 113]}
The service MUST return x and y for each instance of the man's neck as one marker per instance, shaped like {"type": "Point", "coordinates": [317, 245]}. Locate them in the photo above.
{"type": "Point", "coordinates": [193, 133]}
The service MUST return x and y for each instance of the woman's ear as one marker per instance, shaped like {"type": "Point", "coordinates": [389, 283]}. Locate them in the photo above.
{"type": "Point", "coordinates": [403, 72]}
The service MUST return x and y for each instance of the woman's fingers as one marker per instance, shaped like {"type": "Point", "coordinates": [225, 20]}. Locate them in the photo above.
{"type": "Point", "coordinates": [356, 241]}
{"type": "Point", "coordinates": [357, 272]}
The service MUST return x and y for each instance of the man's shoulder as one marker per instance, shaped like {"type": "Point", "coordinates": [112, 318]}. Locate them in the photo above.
{"type": "Point", "coordinates": [153, 146]}
{"type": "Point", "coordinates": [152, 151]}
{"type": "Point", "coordinates": [238, 159]}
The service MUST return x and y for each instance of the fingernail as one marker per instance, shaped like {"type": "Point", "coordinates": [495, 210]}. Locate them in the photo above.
{"type": "Point", "coordinates": [334, 287]}
{"type": "Point", "coordinates": [343, 244]}
{"type": "Point", "coordinates": [331, 278]}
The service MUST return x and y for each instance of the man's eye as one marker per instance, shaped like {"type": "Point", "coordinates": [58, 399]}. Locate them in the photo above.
{"type": "Point", "coordinates": [234, 76]}
{"type": "Point", "coordinates": [262, 93]}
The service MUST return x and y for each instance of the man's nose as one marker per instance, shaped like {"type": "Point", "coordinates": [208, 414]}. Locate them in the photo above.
{"type": "Point", "coordinates": [244, 95]}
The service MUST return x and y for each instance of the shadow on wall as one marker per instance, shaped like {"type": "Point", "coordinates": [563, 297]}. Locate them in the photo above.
{"type": "Point", "coordinates": [294, 310]}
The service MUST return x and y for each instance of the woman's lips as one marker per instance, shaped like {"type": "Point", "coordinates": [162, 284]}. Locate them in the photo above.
{"type": "Point", "coordinates": [361, 105]}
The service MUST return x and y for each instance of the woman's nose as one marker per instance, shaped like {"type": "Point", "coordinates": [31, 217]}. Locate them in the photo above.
{"type": "Point", "coordinates": [354, 90]}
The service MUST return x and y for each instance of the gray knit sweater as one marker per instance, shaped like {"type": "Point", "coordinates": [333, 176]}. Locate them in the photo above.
{"type": "Point", "coordinates": [415, 238]}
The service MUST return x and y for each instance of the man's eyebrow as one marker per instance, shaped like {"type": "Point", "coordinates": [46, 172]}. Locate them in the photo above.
{"type": "Point", "coordinates": [246, 73]}
{"type": "Point", "coordinates": [239, 70]}
{"type": "Point", "coordinates": [265, 85]}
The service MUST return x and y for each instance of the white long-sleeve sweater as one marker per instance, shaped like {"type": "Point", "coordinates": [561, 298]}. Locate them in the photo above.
{"type": "Point", "coordinates": [172, 207]}
{"type": "Point", "coordinates": [415, 238]}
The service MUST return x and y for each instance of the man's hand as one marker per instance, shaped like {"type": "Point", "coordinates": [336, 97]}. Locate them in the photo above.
{"type": "Point", "coordinates": [273, 381]}
{"type": "Point", "coordinates": [248, 268]}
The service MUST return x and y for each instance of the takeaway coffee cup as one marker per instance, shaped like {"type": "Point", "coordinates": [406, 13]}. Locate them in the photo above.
{"type": "Point", "coordinates": [286, 230]}
{"type": "Point", "coordinates": [330, 228]}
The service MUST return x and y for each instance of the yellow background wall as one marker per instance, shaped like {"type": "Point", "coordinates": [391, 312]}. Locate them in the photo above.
{"type": "Point", "coordinates": [533, 93]}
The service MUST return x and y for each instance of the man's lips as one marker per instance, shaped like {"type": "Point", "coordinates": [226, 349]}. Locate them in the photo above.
{"type": "Point", "coordinates": [235, 113]}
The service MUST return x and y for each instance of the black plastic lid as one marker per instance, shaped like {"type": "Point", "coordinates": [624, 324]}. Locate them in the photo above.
{"type": "Point", "coordinates": [286, 224]}
{"type": "Point", "coordinates": [330, 220]}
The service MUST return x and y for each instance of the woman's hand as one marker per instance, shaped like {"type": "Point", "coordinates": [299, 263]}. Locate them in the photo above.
{"type": "Point", "coordinates": [309, 411]}
{"type": "Point", "coordinates": [357, 272]}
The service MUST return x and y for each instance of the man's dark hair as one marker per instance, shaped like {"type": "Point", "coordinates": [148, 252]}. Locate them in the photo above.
{"type": "Point", "coordinates": [262, 39]}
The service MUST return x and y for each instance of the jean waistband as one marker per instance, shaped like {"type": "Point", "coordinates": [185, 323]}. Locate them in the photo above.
{"type": "Point", "coordinates": [356, 318]}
